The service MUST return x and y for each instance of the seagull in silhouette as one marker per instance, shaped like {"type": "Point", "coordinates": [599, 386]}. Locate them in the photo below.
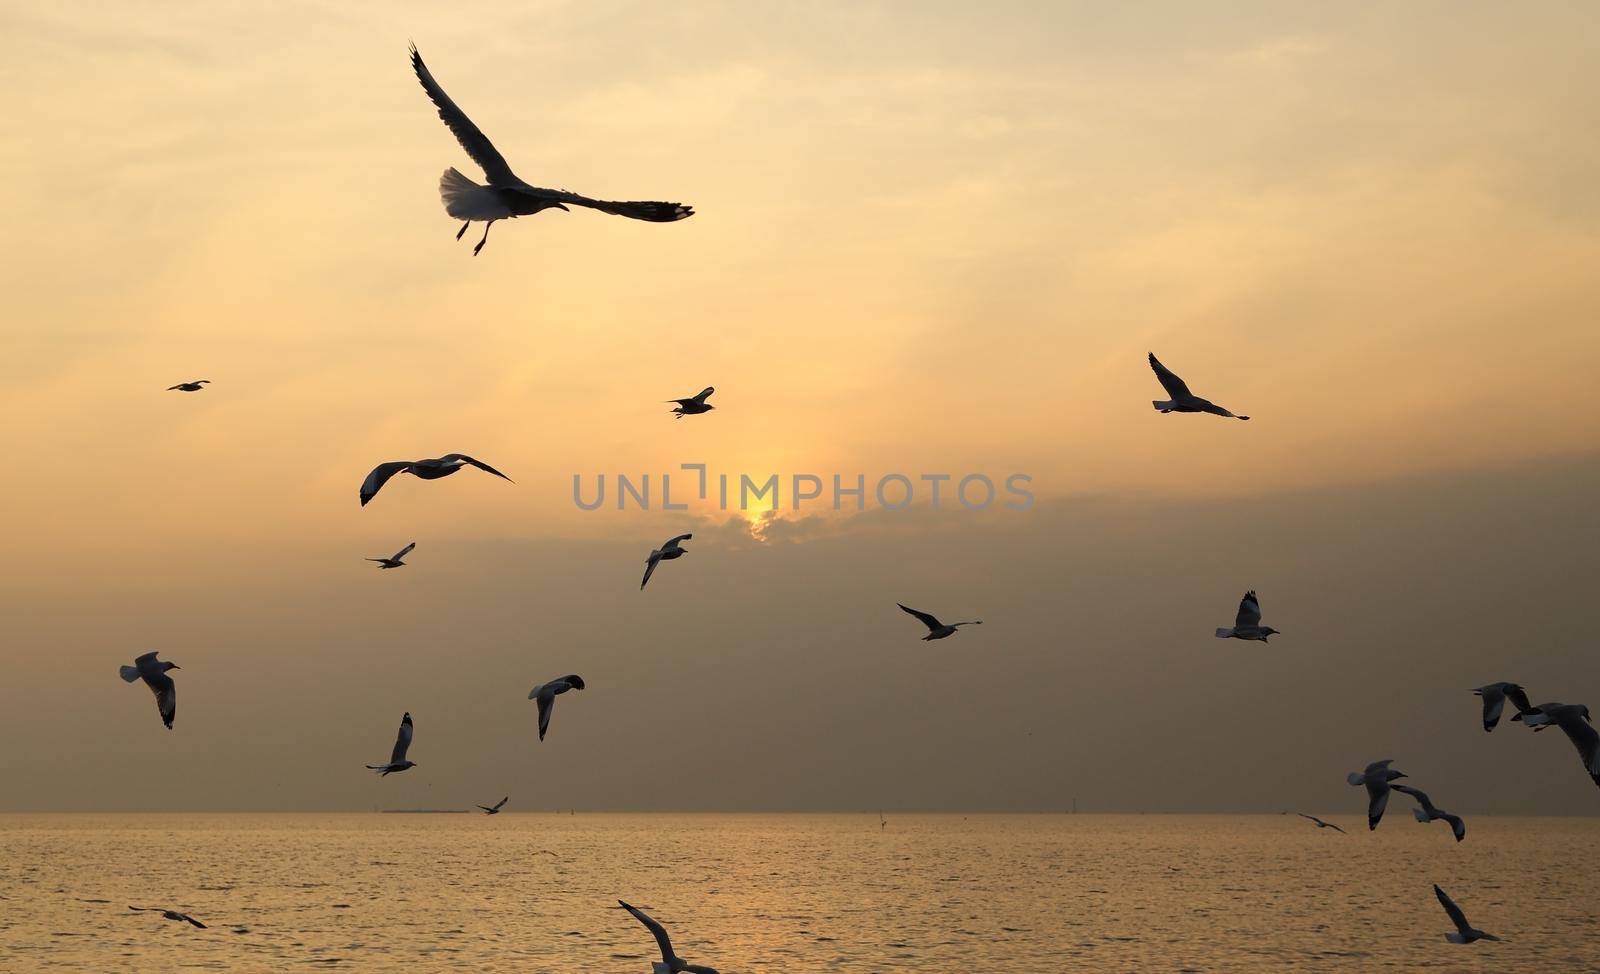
{"type": "Point", "coordinates": [1376, 777]}
{"type": "Point", "coordinates": [1425, 812]}
{"type": "Point", "coordinates": [1182, 401]}
{"type": "Point", "coordinates": [937, 629]}
{"type": "Point", "coordinates": [1574, 721]}
{"type": "Point", "coordinates": [1494, 701]}
{"type": "Point", "coordinates": [169, 914]}
{"type": "Point", "coordinates": [423, 469]}
{"type": "Point", "coordinates": [497, 806]}
{"type": "Point", "coordinates": [667, 552]}
{"type": "Point", "coordinates": [154, 674]}
{"type": "Point", "coordinates": [1247, 624]}
{"type": "Point", "coordinates": [506, 196]}
{"type": "Point", "coordinates": [397, 759]}
{"type": "Point", "coordinates": [1465, 933]}
{"type": "Point", "coordinates": [695, 405]}
{"type": "Point", "coordinates": [670, 962]}
{"type": "Point", "coordinates": [194, 386]}
{"type": "Point", "coordinates": [1321, 824]}
{"type": "Point", "coordinates": [545, 693]}
{"type": "Point", "coordinates": [394, 561]}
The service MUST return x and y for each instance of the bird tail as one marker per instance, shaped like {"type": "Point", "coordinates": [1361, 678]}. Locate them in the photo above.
{"type": "Point", "coordinates": [130, 674]}
{"type": "Point", "coordinates": [1355, 777]}
{"type": "Point", "coordinates": [466, 200]}
{"type": "Point", "coordinates": [1163, 407]}
{"type": "Point", "coordinates": [1224, 633]}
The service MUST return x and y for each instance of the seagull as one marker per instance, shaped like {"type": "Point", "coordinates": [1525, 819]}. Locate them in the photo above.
{"type": "Point", "coordinates": [1465, 933]}
{"type": "Point", "coordinates": [1425, 812]}
{"type": "Point", "coordinates": [169, 914]}
{"type": "Point", "coordinates": [1247, 624]}
{"type": "Point", "coordinates": [695, 405]}
{"type": "Point", "coordinates": [394, 560]}
{"type": "Point", "coordinates": [425, 469]}
{"type": "Point", "coordinates": [672, 549]}
{"type": "Point", "coordinates": [1182, 401]}
{"type": "Point", "coordinates": [670, 963]}
{"type": "Point", "coordinates": [545, 693]}
{"type": "Point", "coordinates": [154, 674]}
{"type": "Point", "coordinates": [937, 629]}
{"type": "Point", "coordinates": [1321, 824]}
{"type": "Point", "coordinates": [497, 806]}
{"type": "Point", "coordinates": [1574, 720]}
{"type": "Point", "coordinates": [397, 759]}
{"type": "Point", "coordinates": [1494, 701]}
{"type": "Point", "coordinates": [1376, 778]}
{"type": "Point", "coordinates": [506, 196]}
{"type": "Point", "coordinates": [194, 386]}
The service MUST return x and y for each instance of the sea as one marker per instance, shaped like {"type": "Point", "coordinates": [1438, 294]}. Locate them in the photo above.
{"type": "Point", "coordinates": [538, 891]}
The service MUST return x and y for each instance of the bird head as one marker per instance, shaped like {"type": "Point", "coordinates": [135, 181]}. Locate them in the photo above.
{"type": "Point", "coordinates": [1269, 631]}
{"type": "Point", "coordinates": [1394, 774]}
{"type": "Point", "coordinates": [167, 665]}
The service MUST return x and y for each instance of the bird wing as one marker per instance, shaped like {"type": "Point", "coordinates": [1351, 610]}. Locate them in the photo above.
{"type": "Point", "coordinates": [1377, 801]}
{"type": "Point", "coordinates": [1379, 765]}
{"type": "Point", "coordinates": [1216, 410]}
{"type": "Point", "coordinates": [402, 552]}
{"type": "Point", "coordinates": [650, 568]}
{"type": "Point", "coordinates": [1518, 697]}
{"type": "Point", "coordinates": [924, 617]}
{"type": "Point", "coordinates": [675, 542]}
{"type": "Point", "coordinates": [402, 741]}
{"type": "Point", "coordinates": [185, 916]}
{"type": "Point", "coordinates": [1587, 741]}
{"type": "Point", "coordinates": [1456, 916]}
{"type": "Point", "coordinates": [705, 393]}
{"type": "Point", "coordinates": [660, 932]}
{"type": "Point", "coordinates": [378, 477]}
{"type": "Point", "coordinates": [472, 140]}
{"type": "Point", "coordinates": [1457, 826]}
{"type": "Point", "coordinates": [1175, 386]}
{"type": "Point", "coordinates": [1336, 828]}
{"type": "Point", "coordinates": [166, 696]}
{"type": "Point", "coordinates": [172, 389]}
{"type": "Point", "coordinates": [1494, 702]}
{"type": "Point", "coordinates": [1419, 795]}
{"type": "Point", "coordinates": [476, 463]}
{"type": "Point", "coordinates": [653, 211]}
{"type": "Point", "coordinates": [547, 703]}
{"type": "Point", "coordinates": [501, 803]}
{"type": "Point", "coordinates": [1249, 611]}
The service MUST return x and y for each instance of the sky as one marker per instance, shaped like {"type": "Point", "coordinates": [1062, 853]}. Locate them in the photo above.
{"type": "Point", "coordinates": [930, 239]}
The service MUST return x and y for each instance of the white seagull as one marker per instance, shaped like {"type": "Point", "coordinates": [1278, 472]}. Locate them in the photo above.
{"type": "Point", "coordinates": [1574, 721]}
{"type": "Point", "coordinates": [1321, 824]}
{"type": "Point", "coordinates": [545, 693]}
{"type": "Point", "coordinates": [1465, 933]}
{"type": "Point", "coordinates": [422, 469]}
{"type": "Point", "coordinates": [1376, 777]}
{"type": "Point", "coordinates": [397, 758]}
{"type": "Point", "coordinates": [169, 914]}
{"type": "Point", "coordinates": [696, 404]}
{"type": "Point", "coordinates": [194, 386]}
{"type": "Point", "coordinates": [1425, 812]}
{"type": "Point", "coordinates": [154, 674]}
{"type": "Point", "coordinates": [670, 962]}
{"type": "Point", "coordinates": [1247, 624]}
{"type": "Point", "coordinates": [1494, 701]}
{"type": "Point", "coordinates": [394, 561]}
{"type": "Point", "coordinates": [667, 552]}
{"type": "Point", "coordinates": [1182, 401]}
{"type": "Point", "coordinates": [937, 629]}
{"type": "Point", "coordinates": [506, 196]}
{"type": "Point", "coordinates": [487, 810]}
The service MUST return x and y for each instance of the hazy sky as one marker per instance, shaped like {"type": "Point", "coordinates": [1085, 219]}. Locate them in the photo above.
{"type": "Point", "coordinates": [931, 238]}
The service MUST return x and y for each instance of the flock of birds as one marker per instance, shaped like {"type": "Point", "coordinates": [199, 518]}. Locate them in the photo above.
{"type": "Point", "coordinates": [505, 196]}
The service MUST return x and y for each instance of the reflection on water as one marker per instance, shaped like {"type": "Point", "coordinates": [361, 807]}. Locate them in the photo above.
{"type": "Point", "coordinates": [991, 893]}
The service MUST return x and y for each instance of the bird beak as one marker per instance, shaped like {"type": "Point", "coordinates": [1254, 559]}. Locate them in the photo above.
{"type": "Point", "coordinates": [561, 206]}
{"type": "Point", "coordinates": [175, 666]}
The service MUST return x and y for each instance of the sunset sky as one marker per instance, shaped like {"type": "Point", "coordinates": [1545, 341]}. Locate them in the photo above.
{"type": "Point", "coordinates": [930, 238]}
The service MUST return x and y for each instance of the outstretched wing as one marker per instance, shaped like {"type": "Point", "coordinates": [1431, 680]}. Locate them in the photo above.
{"type": "Point", "coordinates": [402, 552]}
{"type": "Point", "coordinates": [1175, 386]}
{"type": "Point", "coordinates": [378, 477]}
{"type": "Point", "coordinates": [474, 141]}
{"type": "Point", "coordinates": [649, 568]}
{"type": "Point", "coordinates": [1587, 741]}
{"type": "Point", "coordinates": [660, 932]}
{"type": "Point", "coordinates": [705, 393]}
{"type": "Point", "coordinates": [650, 210]}
{"type": "Point", "coordinates": [1422, 798]}
{"type": "Point", "coordinates": [1494, 701]}
{"type": "Point", "coordinates": [1456, 916]}
{"type": "Point", "coordinates": [476, 463]}
{"type": "Point", "coordinates": [166, 696]}
{"type": "Point", "coordinates": [923, 617]}
{"type": "Point", "coordinates": [192, 920]}
{"type": "Point", "coordinates": [1377, 801]}
{"type": "Point", "coordinates": [1249, 611]}
{"type": "Point", "coordinates": [1518, 698]}
{"type": "Point", "coordinates": [501, 803]}
{"type": "Point", "coordinates": [1216, 410]}
{"type": "Point", "coordinates": [547, 703]}
{"type": "Point", "coordinates": [1379, 765]}
{"type": "Point", "coordinates": [402, 741]}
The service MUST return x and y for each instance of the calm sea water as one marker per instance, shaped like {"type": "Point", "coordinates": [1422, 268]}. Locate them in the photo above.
{"type": "Point", "coordinates": [927, 893]}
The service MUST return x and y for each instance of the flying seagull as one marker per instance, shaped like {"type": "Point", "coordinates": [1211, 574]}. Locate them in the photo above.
{"type": "Point", "coordinates": [1182, 401]}
{"type": "Point", "coordinates": [394, 561]}
{"type": "Point", "coordinates": [672, 549]}
{"type": "Point", "coordinates": [194, 386]}
{"type": "Point", "coordinates": [1425, 812]}
{"type": "Point", "coordinates": [545, 693]}
{"type": "Point", "coordinates": [670, 963]}
{"type": "Point", "coordinates": [424, 469]}
{"type": "Point", "coordinates": [937, 629]}
{"type": "Point", "coordinates": [1321, 824]}
{"type": "Point", "coordinates": [696, 404]}
{"type": "Point", "coordinates": [1247, 624]}
{"type": "Point", "coordinates": [1376, 777]}
{"type": "Point", "coordinates": [1465, 933]}
{"type": "Point", "coordinates": [1574, 721]}
{"type": "Point", "coordinates": [506, 196]}
{"type": "Point", "coordinates": [154, 674]}
{"type": "Point", "coordinates": [1494, 701]}
{"type": "Point", "coordinates": [169, 914]}
{"type": "Point", "coordinates": [497, 806]}
{"type": "Point", "coordinates": [397, 759]}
